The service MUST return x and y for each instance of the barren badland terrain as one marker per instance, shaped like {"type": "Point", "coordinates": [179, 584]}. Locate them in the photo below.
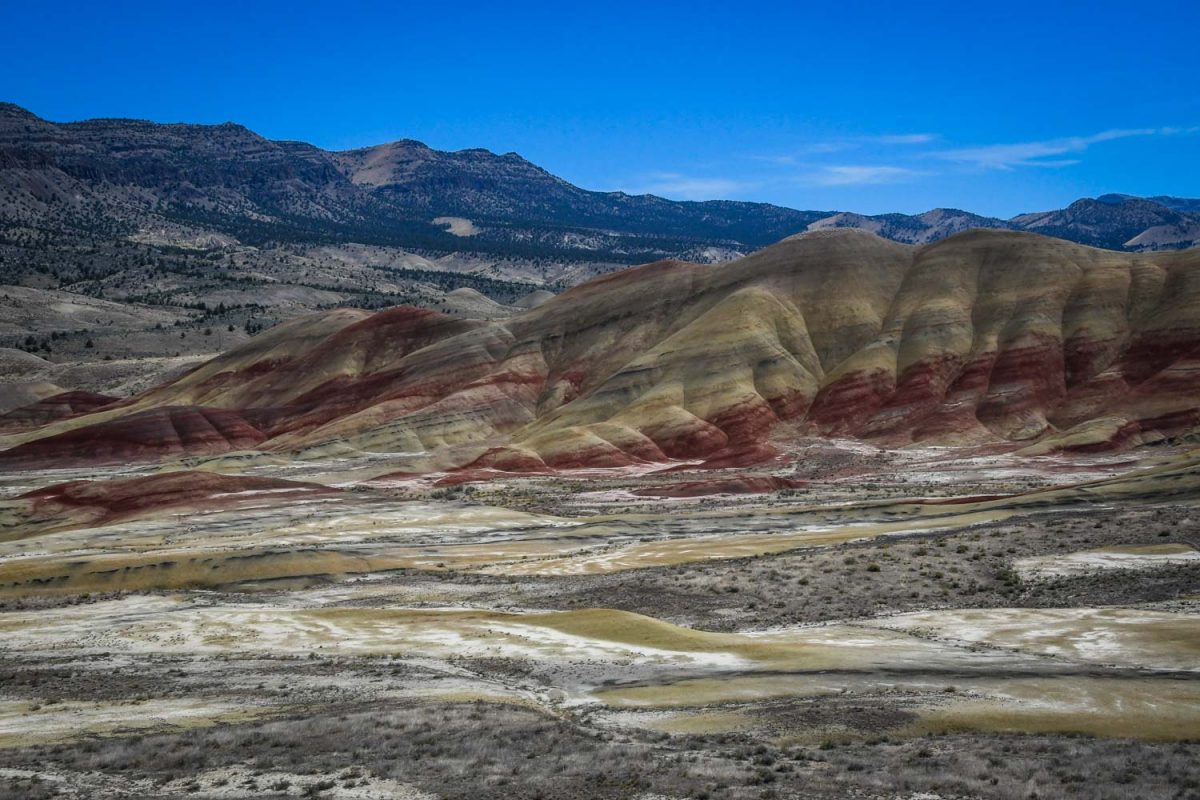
{"type": "Point", "coordinates": [297, 504]}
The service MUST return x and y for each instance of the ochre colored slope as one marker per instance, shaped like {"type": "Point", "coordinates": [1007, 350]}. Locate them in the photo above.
{"type": "Point", "coordinates": [985, 336]}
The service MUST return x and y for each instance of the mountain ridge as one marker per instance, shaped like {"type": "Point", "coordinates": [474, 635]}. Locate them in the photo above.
{"type": "Point", "coordinates": [232, 179]}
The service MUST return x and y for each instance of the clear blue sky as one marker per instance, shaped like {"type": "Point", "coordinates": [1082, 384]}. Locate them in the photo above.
{"type": "Point", "coordinates": [997, 108]}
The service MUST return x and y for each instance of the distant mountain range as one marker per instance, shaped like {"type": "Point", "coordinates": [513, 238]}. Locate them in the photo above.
{"type": "Point", "coordinates": [1112, 221]}
{"type": "Point", "coordinates": [221, 184]}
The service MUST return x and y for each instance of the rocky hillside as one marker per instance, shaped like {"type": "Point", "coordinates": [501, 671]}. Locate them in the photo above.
{"type": "Point", "coordinates": [508, 191]}
{"type": "Point", "coordinates": [223, 183]}
{"type": "Point", "coordinates": [985, 337]}
{"type": "Point", "coordinates": [912, 229]}
{"type": "Point", "coordinates": [1118, 222]}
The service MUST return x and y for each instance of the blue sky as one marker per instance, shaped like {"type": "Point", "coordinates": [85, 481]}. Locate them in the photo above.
{"type": "Point", "coordinates": [872, 107]}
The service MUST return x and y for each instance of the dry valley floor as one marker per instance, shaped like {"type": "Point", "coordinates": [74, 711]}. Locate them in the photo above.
{"type": "Point", "coordinates": [919, 623]}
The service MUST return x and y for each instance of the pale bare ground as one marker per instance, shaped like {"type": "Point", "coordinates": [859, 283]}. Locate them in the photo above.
{"type": "Point", "coordinates": [23, 723]}
{"type": "Point", "coordinates": [1125, 636]}
{"type": "Point", "coordinates": [224, 619]}
{"type": "Point", "coordinates": [459, 226]}
{"type": "Point", "coordinates": [1135, 557]}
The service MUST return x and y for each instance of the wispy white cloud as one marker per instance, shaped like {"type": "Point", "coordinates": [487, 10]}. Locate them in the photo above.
{"type": "Point", "coordinates": [689, 187]}
{"type": "Point", "coordinates": [799, 155]}
{"type": "Point", "coordinates": [680, 186]}
{"type": "Point", "coordinates": [898, 158]}
{"type": "Point", "coordinates": [903, 138]}
{"type": "Point", "coordinates": [779, 161]}
{"type": "Point", "coordinates": [1041, 153]}
{"type": "Point", "coordinates": [861, 175]}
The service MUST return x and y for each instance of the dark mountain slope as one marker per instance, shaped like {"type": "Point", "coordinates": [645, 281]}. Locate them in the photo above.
{"type": "Point", "coordinates": [1112, 222]}
{"type": "Point", "coordinates": [115, 176]}
{"type": "Point", "coordinates": [507, 189]}
{"type": "Point", "coordinates": [112, 177]}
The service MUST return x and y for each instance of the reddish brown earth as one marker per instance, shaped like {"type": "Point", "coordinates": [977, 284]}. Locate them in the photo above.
{"type": "Point", "coordinates": [52, 409]}
{"type": "Point", "coordinates": [985, 337]}
{"type": "Point", "coordinates": [104, 502]}
{"type": "Point", "coordinates": [143, 436]}
{"type": "Point", "coordinates": [747, 455]}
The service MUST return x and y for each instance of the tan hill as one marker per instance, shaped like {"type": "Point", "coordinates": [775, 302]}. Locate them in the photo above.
{"type": "Point", "coordinates": [467, 302]}
{"type": "Point", "coordinates": [988, 336]}
{"type": "Point", "coordinates": [534, 299]}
